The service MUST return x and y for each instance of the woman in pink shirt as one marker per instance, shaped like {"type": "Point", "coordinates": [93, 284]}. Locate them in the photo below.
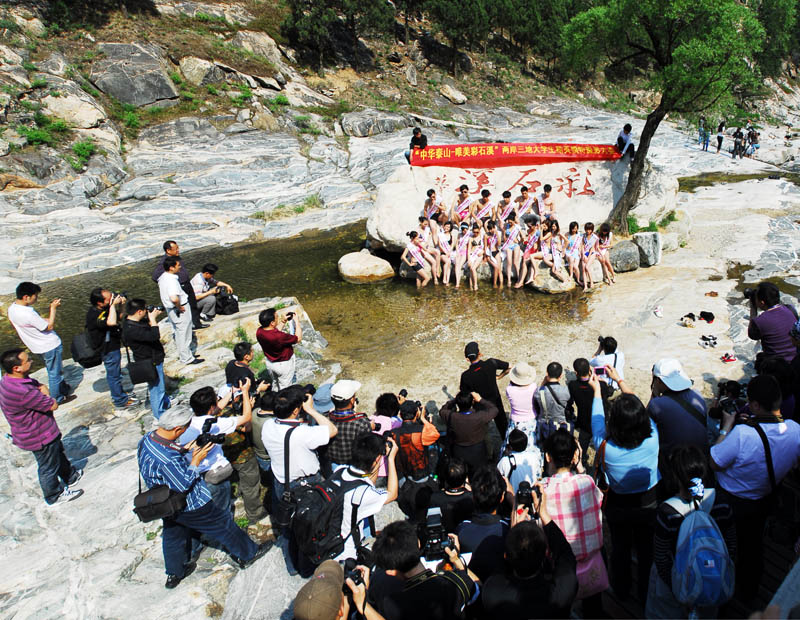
{"type": "Point", "coordinates": [520, 397]}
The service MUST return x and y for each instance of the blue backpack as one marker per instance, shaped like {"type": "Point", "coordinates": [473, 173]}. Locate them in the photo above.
{"type": "Point", "coordinates": [703, 572]}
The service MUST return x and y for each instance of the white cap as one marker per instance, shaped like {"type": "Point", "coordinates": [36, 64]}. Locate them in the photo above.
{"type": "Point", "coordinates": [345, 389]}
{"type": "Point", "coordinates": [671, 373]}
{"type": "Point", "coordinates": [175, 417]}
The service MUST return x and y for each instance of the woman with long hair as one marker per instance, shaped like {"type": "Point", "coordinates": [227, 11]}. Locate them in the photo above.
{"type": "Point", "coordinates": [555, 242]}
{"type": "Point", "coordinates": [510, 249]}
{"type": "Point", "coordinates": [572, 252]}
{"type": "Point", "coordinates": [603, 247]}
{"type": "Point", "coordinates": [531, 253]}
{"type": "Point", "coordinates": [493, 240]}
{"type": "Point", "coordinates": [477, 255]}
{"type": "Point", "coordinates": [413, 256]}
{"type": "Point", "coordinates": [588, 253]}
{"type": "Point", "coordinates": [461, 249]}
{"type": "Point", "coordinates": [444, 241]}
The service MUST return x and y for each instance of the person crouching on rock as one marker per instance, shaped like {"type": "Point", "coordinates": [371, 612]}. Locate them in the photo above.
{"type": "Point", "coordinates": [414, 257]}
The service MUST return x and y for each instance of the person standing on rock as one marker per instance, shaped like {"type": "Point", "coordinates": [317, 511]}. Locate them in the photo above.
{"type": "Point", "coordinates": [28, 408]}
{"type": "Point", "coordinates": [418, 142]}
{"type": "Point", "coordinates": [140, 332]}
{"type": "Point", "coordinates": [37, 334]}
{"type": "Point", "coordinates": [171, 249]}
{"type": "Point", "coordinates": [624, 143]}
{"type": "Point", "coordinates": [162, 463]}
{"type": "Point", "coordinates": [102, 325]}
{"type": "Point", "coordinates": [175, 301]}
{"type": "Point", "coordinates": [278, 346]}
{"type": "Point", "coordinates": [481, 377]}
{"type": "Point", "coordinates": [720, 134]}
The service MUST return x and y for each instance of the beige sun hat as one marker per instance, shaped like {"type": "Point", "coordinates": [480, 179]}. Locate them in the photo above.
{"type": "Point", "coordinates": [523, 374]}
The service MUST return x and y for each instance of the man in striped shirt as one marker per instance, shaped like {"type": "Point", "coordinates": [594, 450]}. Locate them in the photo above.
{"type": "Point", "coordinates": [29, 408]}
{"type": "Point", "coordinates": [161, 462]}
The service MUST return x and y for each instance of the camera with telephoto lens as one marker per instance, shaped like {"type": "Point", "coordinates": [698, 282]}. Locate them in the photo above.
{"type": "Point", "coordinates": [122, 294]}
{"type": "Point", "coordinates": [151, 307]}
{"type": "Point", "coordinates": [749, 293]}
{"type": "Point", "coordinates": [351, 572]}
{"type": "Point", "coordinates": [434, 535]}
{"type": "Point", "coordinates": [207, 436]}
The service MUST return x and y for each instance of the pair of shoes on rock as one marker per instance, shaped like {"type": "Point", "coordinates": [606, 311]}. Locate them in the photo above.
{"type": "Point", "coordinates": [708, 342]}
{"type": "Point", "coordinates": [728, 358]}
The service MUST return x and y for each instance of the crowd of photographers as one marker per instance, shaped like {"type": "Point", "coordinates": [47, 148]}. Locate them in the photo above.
{"type": "Point", "coordinates": [514, 532]}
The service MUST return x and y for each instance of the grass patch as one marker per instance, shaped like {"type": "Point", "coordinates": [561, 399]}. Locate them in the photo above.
{"type": "Point", "coordinates": [47, 130]}
{"type": "Point", "coordinates": [243, 522]}
{"type": "Point", "coordinates": [277, 103]}
{"type": "Point", "coordinates": [668, 219]}
{"type": "Point", "coordinates": [304, 125]}
{"type": "Point", "coordinates": [83, 150]}
{"type": "Point", "coordinates": [176, 78]}
{"type": "Point", "coordinates": [151, 535]}
{"type": "Point", "coordinates": [30, 106]}
{"type": "Point", "coordinates": [311, 203]}
{"type": "Point", "coordinates": [243, 98]}
{"type": "Point", "coordinates": [39, 83]}
{"type": "Point", "coordinates": [9, 24]}
{"type": "Point", "coordinates": [29, 66]}
{"type": "Point", "coordinates": [212, 90]}
{"type": "Point", "coordinates": [330, 113]}
{"type": "Point", "coordinates": [87, 88]}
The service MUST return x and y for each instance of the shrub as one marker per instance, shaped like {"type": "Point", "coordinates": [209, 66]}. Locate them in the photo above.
{"type": "Point", "coordinates": [176, 78]}
{"type": "Point", "coordinates": [39, 83]}
{"type": "Point", "coordinates": [35, 136]}
{"type": "Point", "coordinates": [131, 120]}
{"type": "Point", "coordinates": [29, 66]}
{"type": "Point", "coordinates": [212, 90]}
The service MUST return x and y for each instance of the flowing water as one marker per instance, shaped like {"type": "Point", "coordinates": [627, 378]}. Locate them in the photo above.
{"type": "Point", "coordinates": [387, 329]}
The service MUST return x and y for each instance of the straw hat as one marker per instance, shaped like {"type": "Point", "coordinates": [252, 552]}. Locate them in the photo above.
{"type": "Point", "coordinates": [523, 374]}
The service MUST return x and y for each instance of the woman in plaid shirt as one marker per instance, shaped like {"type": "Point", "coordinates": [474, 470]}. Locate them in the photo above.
{"type": "Point", "coordinates": [574, 503]}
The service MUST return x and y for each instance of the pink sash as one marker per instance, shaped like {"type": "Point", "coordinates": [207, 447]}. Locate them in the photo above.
{"type": "Point", "coordinates": [463, 208]}
{"type": "Point", "coordinates": [506, 211]}
{"type": "Point", "coordinates": [415, 252]}
{"type": "Point", "coordinates": [525, 206]}
{"type": "Point", "coordinates": [530, 243]}
{"type": "Point", "coordinates": [462, 243]}
{"type": "Point", "coordinates": [512, 235]}
{"type": "Point", "coordinates": [444, 242]}
{"type": "Point", "coordinates": [588, 248]}
{"type": "Point", "coordinates": [433, 209]}
{"type": "Point", "coordinates": [485, 210]}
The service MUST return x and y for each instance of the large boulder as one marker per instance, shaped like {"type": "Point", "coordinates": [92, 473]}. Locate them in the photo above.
{"type": "Point", "coordinates": [262, 44]}
{"type": "Point", "coordinates": [68, 102]}
{"type": "Point", "coordinates": [451, 93]}
{"type": "Point", "coordinates": [134, 73]}
{"type": "Point", "coordinates": [624, 256]}
{"type": "Point", "coordinates": [658, 195]}
{"type": "Point", "coordinates": [544, 281]}
{"type": "Point", "coordinates": [649, 244]}
{"type": "Point", "coordinates": [370, 122]}
{"type": "Point", "coordinates": [362, 267]}
{"type": "Point", "coordinates": [231, 12]}
{"type": "Point", "coordinates": [200, 72]}
{"type": "Point", "coordinates": [55, 64]}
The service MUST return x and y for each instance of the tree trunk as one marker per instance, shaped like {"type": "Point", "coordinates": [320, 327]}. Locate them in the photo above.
{"type": "Point", "coordinates": [406, 12]}
{"type": "Point", "coordinates": [455, 59]}
{"type": "Point", "coordinates": [619, 215]}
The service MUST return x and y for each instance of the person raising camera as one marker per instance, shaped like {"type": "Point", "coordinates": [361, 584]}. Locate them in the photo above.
{"type": "Point", "coordinates": [206, 427]}
{"type": "Point", "coordinates": [103, 327]}
{"type": "Point", "coordinates": [206, 288]}
{"type": "Point", "coordinates": [141, 334]}
{"type": "Point", "coordinates": [278, 346]}
{"type": "Point", "coordinates": [773, 325]}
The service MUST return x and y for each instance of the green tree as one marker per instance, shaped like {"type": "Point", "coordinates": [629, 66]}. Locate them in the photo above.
{"type": "Point", "coordinates": [307, 26]}
{"type": "Point", "coordinates": [700, 52]}
{"type": "Point", "coordinates": [409, 7]}
{"type": "Point", "coordinates": [778, 17]}
{"type": "Point", "coordinates": [364, 16]}
{"type": "Point", "coordinates": [462, 22]}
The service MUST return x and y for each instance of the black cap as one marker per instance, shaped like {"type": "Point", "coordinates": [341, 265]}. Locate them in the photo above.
{"type": "Point", "coordinates": [409, 407]}
{"type": "Point", "coordinates": [471, 350]}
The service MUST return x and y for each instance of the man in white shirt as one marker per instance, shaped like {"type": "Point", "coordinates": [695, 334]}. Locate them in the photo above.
{"type": "Point", "coordinates": [367, 500]}
{"type": "Point", "coordinates": [176, 303]}
{"type": "Point", "coordinates": [205, 288]}
{"type": "Point", "coordinates": [624, 144]}
{"type": "Point", "coordinates": [37, 334]}
{"type": "Point", "coordinates": [608, 355]}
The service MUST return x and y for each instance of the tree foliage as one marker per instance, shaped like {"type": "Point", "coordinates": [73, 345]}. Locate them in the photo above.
{"type": "Point", "coordinates": [462, 22]}
{"type": "Point", "coordinates": [779, 18]}
{"type": "Point", "coordinates": [699, 53]}
{"type": "Point", "coordinates": [307, 26]}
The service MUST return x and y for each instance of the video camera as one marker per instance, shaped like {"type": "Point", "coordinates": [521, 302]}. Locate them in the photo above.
{"type": "Point", "coordinates": [206, 436]}
{"type": "Point", "coordinates": [433, 534]}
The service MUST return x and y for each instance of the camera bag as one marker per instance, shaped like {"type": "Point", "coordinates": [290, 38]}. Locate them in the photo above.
{"type": "Point", "coordinates": [143, 371]}
{"type": "Point", "coordinates": [284, 505]}
{"type": "Point", "coordinates": [84, 353]}
{"type": "Point", "coordinates": [227, 303]}
{"type": "Point", "coordinates": [160, 502]}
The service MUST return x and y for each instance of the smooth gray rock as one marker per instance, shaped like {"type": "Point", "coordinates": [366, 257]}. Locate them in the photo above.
{"type": "Point", "coordinates": [411, 74]}
{"type": "Point", "coordinates": [200, 72]}
{"type": "Point", "coordinates": [362, 267]}
{"type": "Point", "coordinates": [649, 244]}
{"type": "Point", "coordinates": [370, 122]}
{"type": "Point", "coordinates": [55, 64]}
{"type": "Point", "coordinates": [73, 105]}
{"type": "Point", "coordinates": [624, 256]}
{"type": "Point", "coordinates": [134, 73]}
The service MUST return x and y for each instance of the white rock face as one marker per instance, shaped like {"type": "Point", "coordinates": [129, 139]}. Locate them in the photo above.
{"type": "Point", "coordinates": [76, 108]}
{"type": "Point", "coordinates": [453, 94]}
{"type": "Point", "coordinates": [362, 267]}
{"type": "Point", "coordinates": [658, 194]}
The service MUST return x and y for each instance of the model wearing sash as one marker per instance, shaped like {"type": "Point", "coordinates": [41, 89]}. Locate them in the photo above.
{"type": "Point", "coordinates": [603, 247]}
{"type": "Point", "coordinates": [510, 249]}
{"type": "Point", "coordinates": [504, 209]}
{"type": "Point", "coordinates": [531, 254]}
{"type": "Point", "coordinates": [493, 257]}
{"type": "Point", "coordinates": [547, 208]}
{"type": "Point", "coordinates": [556, 242]}
{"type": "Point", "coordinates": [460, 255]}
{"type": "Point", "coordinates": [444, 241]}
{"type": "Point", "coordinates": [483, 207]}
{"type": "Point", "coordinates": [524, 203]}
{"type": "Point", "coordinates": [414, 258]}
{"type": "Point", "coordinates": [588, 253]}
{"type": "Point", "coordinates": [460, 210]}
{"type": "Point", "coordinates": [433, 206]}
{"type": "Point", "coordinates": [572, 252]}
{"type": "Point", "coordinates": [476, 255]}
{"type": "Point", "coordinates": [431, 248]}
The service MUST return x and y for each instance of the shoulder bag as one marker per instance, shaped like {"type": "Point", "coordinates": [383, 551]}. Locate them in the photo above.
{"type": "Point", "coordinates": [143, 371]}
{"type": "Point", "coordinates": [285, 504]}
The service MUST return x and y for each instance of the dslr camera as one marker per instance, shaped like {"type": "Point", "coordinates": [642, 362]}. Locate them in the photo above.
{"type": "Point", "coordinates": [524, 496]}
{"type": "Point", "coordinates": [122, 294]}
{"type": "Point", "coordinates": [207, 436]}
{"type": "Point", "coordinates": [434, 535]}
{"type": "Point", "coordinates": [749, 294]}
{"type": "Point", "coordinates": [152, 307]}
{"type": "Point", "coordinates": [351, 572]}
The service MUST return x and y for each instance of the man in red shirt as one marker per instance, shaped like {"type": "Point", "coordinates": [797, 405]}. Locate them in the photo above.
{"type": "Point", "coordinates": [277, 345]}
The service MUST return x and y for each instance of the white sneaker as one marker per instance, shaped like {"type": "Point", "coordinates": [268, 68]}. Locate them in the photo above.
{"type": "Point", "coordinates": [67, 495]}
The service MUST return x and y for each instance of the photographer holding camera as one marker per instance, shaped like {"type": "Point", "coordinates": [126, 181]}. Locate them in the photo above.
{"type": "Point", "coordinates": [209, 424]}
{"type": "Point", "coordinates": [206, 289]}
{"type": "Point", "coordinates": [413, 465]}
{"type": "Point", "coordinates": [141, 334]}
{"type": "Point", "coordinates": [607, 354]}
{"type": "Point", "coordinates": [442, 594]}
{"type": "Point", "coordinates": [773, 325]}
{"type": "Point", "coordinates": [238, 369]}
{"type": "Point", "coordinates": [103, 327]}
{"type": "Point", "coordinates": [332, 594]}
{"type": "Point", "coordinates": [278, 345]}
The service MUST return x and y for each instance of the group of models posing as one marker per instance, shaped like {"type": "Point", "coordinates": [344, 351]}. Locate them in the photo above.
{"type": "Point", "coordinates": [511, 236]}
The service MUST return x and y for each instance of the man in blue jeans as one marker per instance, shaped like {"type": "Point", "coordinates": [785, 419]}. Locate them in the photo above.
{"type": "Point", "coordinates": [102, 324]}
{"type": "Point", "coordinates": [37, 334]}
{"type": "Point", "coordinates": [142, 335]}
{"type": "Point", "coordinates": [162, 462]}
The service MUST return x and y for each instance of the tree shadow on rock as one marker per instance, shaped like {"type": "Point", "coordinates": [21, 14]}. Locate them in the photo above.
{"type": "Point", "coordinates": [67, 14]}
{"type": "Point", "coordinates": [79, 446]}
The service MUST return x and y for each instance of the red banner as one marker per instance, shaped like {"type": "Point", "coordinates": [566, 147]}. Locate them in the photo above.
{"type": "Point", "coordinates": [499, 154]}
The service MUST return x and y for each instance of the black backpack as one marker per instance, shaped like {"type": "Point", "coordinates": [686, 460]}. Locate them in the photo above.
{"type": "Point", "coordinates": [227, 303]}
{"type": "Point", "coordinates": [84, 353]}
{"type": "Point", "coordinates": [317, 520]}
